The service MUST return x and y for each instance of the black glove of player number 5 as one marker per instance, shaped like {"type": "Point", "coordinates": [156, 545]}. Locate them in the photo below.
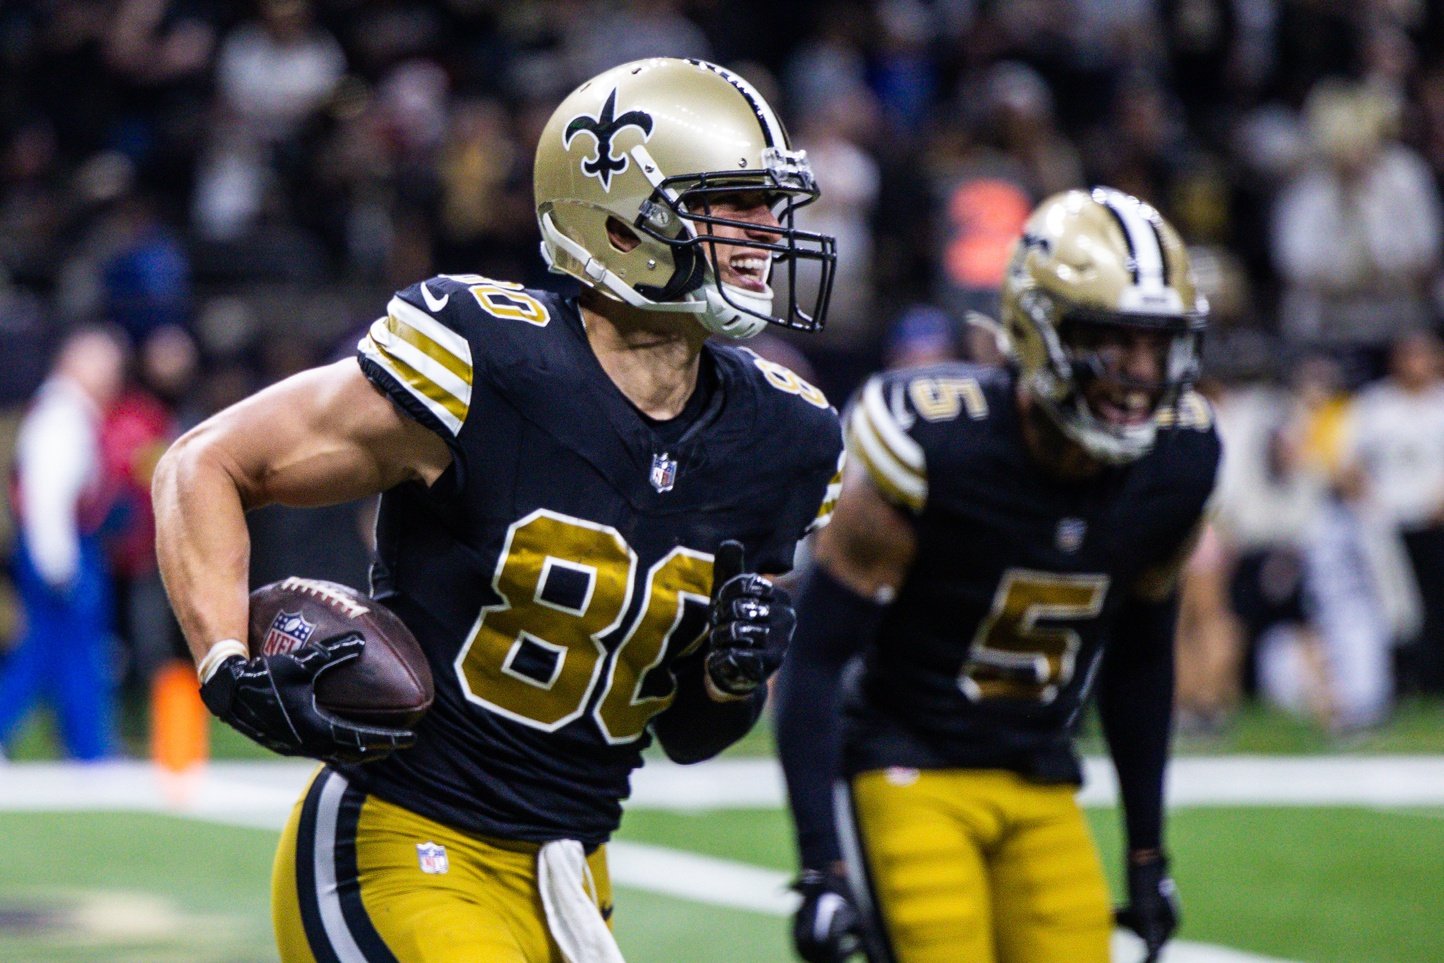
{"type": "Point", "coordinates": [271, 699]}
{"type": "Point", "coordinates": [1152, 910]}
{"type": "Point", "coordinates": [751, 624]}
{"type": "Point", "coordinates": [825, 928]}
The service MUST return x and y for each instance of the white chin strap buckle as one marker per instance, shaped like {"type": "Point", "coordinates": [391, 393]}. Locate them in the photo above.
{"type": "Point", "coordinates": [729, 315]}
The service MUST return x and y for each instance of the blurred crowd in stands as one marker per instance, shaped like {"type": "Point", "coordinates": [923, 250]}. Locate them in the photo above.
{"type": "Point", "coordinates": [230, 191]}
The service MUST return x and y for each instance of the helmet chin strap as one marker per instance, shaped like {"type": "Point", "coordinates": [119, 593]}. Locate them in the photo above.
{"type": "Point", "coordinates": [727, 307]}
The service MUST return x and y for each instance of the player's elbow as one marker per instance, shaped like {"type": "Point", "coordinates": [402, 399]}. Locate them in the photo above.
{"type": "Point", "coordinates": [193, 463]}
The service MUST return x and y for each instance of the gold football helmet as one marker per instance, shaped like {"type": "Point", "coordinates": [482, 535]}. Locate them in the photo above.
{"type": "Point", "coordinates": [652, 144]}
{"type": "Point", "coordinates": [1091, 267]}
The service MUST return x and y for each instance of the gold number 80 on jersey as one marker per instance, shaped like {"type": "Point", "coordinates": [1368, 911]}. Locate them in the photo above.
{"type": "Point", "coordinates": [565, 584]}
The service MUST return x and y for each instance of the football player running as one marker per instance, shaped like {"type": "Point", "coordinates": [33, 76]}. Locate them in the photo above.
{"type": "Point", "coordinates": [1006, 540]}
{"type": "Point", "coordinates": [578, 496]}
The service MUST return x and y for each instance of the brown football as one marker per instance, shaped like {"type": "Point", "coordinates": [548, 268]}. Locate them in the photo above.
{"type": "Point", "coordinates": [389, 685]}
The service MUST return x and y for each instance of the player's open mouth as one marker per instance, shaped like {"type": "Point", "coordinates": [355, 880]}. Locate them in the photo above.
{"type": "Point", "coordinates": [1127, 407]}
{"type": "Point", "coordinates": [749, 271]}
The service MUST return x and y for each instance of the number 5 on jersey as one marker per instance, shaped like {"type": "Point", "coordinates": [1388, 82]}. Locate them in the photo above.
{"type": "Point", "coordinates": [566, 584]}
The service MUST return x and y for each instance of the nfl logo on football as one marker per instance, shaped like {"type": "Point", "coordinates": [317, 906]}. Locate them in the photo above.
{"type": "Point", "coordinates": [432, 858]}
{"type": "Point", "coordinates": [287, 633]}
{"type": "Point", "coordinates": [664, 472]}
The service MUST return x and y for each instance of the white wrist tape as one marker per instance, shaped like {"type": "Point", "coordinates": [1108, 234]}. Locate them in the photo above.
{"type": "Point", "coordinates": [219, 653]}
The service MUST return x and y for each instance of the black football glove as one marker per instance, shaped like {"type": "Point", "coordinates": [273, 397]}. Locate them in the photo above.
{"type": "Point", "coordinates": [1152, 910]}
{"type": "Point", "coordinates": [751, 623]}
{"type": "Point", "coordinates": [826, 927]}
{"type": "Point", "coordinates": [271, 699]}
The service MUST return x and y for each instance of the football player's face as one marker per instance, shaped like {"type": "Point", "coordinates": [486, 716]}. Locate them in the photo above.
{"type": "Point", "coordinates": [1130, 366]}
{"type": "Point", "coordinates": [746, 267]}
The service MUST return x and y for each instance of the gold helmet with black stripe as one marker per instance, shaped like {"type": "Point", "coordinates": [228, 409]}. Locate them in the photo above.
{"type": "Point", "coordinates": [652, 145]}
{"type": "Point", "coordinates": [1095, 275]}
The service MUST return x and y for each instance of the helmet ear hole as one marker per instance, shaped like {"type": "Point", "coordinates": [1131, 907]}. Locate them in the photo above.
{"type": "Point", "coordinates": [621, 237]}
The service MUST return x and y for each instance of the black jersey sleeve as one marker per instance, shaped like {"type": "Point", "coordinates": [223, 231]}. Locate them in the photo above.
{"type": "Point", "coordinates": [804, 455]}
{"type": "Point", "coordinates": [419, 354]}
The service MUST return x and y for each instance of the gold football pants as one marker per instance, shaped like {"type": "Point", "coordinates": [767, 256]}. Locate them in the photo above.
{"type": "Point", "coordinates": [359, 879]}
{"type": "Point", "coordinates": [977, 866]}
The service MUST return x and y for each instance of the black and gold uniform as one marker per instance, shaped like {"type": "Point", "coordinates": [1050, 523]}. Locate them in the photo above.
{"type": "Point", "coordinates": [956, 810]}
{"type": "Point", "coordinates": [984, 658]}
{"type": "Point", "coordinates": [557, 576]}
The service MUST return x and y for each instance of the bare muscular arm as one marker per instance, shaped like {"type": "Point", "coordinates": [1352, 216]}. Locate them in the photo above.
{"type": "Point", "coordinates": [321, 437]}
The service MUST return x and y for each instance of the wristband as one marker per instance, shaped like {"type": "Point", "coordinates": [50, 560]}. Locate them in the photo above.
{"type": "Point", "coordinates": [218, 654]}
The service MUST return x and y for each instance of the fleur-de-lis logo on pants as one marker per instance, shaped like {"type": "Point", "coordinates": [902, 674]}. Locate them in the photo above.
{"type": "Point", "coordinates": [603, 128]}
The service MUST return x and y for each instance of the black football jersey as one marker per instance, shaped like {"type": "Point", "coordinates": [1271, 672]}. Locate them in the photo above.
{"type": "Point", "coordinates": [563, 562]}
{"type": "Point", "coordinates": [985, 657]}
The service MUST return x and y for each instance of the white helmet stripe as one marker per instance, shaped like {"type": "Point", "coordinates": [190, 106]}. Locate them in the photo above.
{"type": "Point", "coordinates": [1143, 242]}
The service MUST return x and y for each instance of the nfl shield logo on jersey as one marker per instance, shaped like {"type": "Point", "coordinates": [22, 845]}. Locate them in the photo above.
{"type": "Point", "coordinates": [432, 858]}
{"type": "Point", "coordinates": [1070, 534]}
{"type": "Point", "coordinates": [288, 633]}
{"type": "Point", "coordinates": [664, 472]}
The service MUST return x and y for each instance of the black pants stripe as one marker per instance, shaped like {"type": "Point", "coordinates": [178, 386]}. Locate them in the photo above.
{"type": "Point", "coordinates": [327, 879]}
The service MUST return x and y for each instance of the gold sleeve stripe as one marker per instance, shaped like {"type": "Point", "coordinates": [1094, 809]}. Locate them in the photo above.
{"type": "Point", "coordinates": [829, 497]}
{"type": "Point", "coordinates": [458, 387]}
{"type": "Point", "coordinates": [427, 381]}
{"type": "Point", "coordinates": [432, 328]}
{"type": "Point", "coordinates": [895, 482]}
{"type": "Point", "coordinates": [405, 329]}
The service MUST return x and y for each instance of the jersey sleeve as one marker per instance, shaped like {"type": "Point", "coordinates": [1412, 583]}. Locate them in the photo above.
{"type": "Point", "coordinates": [829, 495]}
{"type": "Point", "coordinates": [421, 359]}
{"type": "Point", "coordinates": [878, 437]}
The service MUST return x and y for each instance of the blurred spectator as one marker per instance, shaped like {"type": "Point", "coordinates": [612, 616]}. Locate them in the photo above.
{"type": "Point", "coordinates": [830, 64]}
{"type": "Point", "coordinates": [1395, 439]}
{"type": "Point", "coordinates": [63, 497]}
{"type": "Point", "coordinates": [1020, 113]}
{"type": "Point", "coordinates": [147, 276]}
{"type": "Point", "coordinates": [1209, 643]}
{"type": "Point", "coordinates": [270, 75]}
{"type": "Point", "coordinates": [921, 335]}
{"type": "Point", "coordinates": [834, 138]}
{"type": "Point", "coordinates": [615, 33]}
{"type": "Point", "coordinates": [1306, 585]}
{"type": "Point", "coordinates": [137, 430]}
{"type": "Point", "coordinates": [1357, 233]}
{"type": "Point", "coordinates": [485, 223]}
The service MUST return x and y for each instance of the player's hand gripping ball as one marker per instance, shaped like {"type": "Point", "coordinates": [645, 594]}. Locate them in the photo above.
{"type": "Point", "coordinates": [333, 675]}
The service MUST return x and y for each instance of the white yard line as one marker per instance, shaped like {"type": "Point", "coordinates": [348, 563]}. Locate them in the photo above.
{"type": "Point", "coordinates": [263, 792]}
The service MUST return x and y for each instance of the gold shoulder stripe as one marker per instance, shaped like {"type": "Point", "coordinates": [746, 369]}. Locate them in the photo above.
{"type": "Point", "coordinates": [421, 342]}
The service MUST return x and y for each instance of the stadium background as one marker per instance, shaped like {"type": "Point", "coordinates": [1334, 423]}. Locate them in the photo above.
{"type": "Point", "coordinates": [240, 187]}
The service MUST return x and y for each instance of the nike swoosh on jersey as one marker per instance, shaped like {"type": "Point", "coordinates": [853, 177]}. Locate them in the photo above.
{"type": "Point", "coordinates": [432, 301]}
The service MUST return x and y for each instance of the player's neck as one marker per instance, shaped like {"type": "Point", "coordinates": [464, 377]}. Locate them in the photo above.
{"type": "Point", "coordinates": [1055, 452]}
{"type": "Point", "coordinates": [650, 356]}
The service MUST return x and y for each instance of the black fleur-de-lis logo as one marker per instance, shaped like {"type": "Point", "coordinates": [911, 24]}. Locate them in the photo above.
{"type": "Point", "coordinates": [603, 128]}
